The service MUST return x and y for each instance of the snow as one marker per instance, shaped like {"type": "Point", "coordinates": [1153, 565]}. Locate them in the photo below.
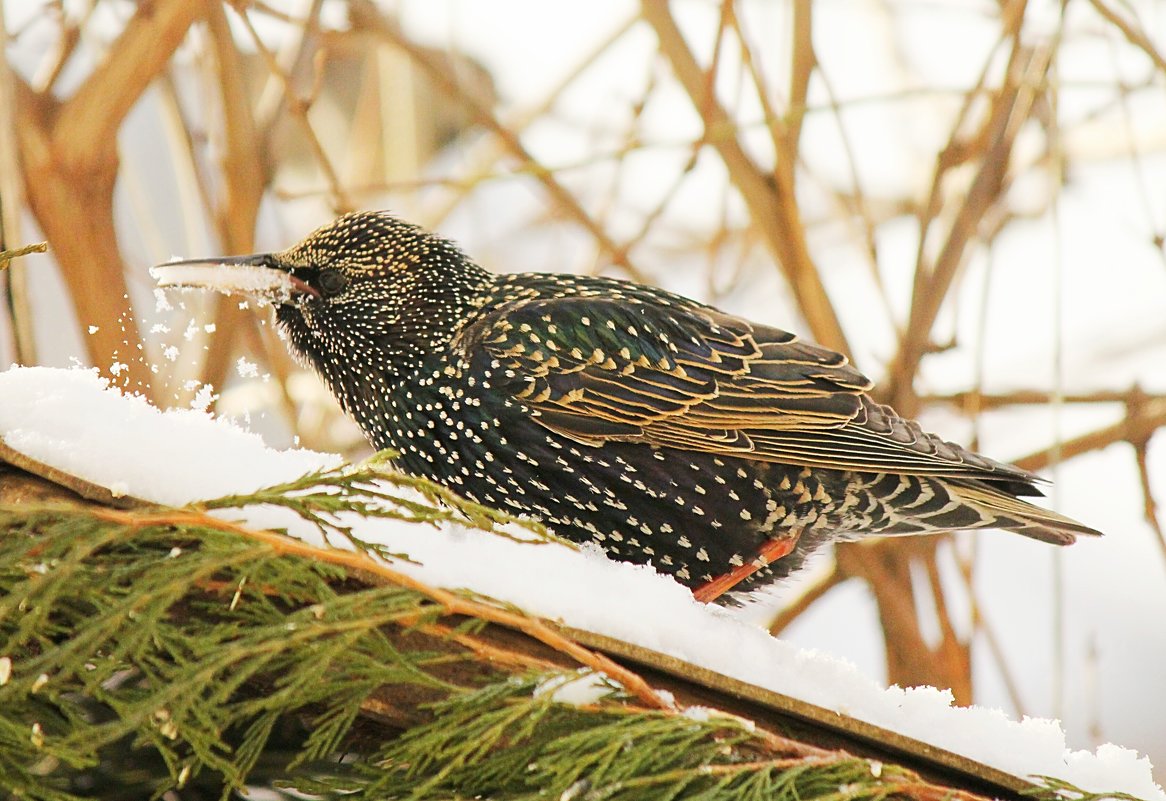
{"type": "Point", "coordinates": [259, 282]}
{"type": "Point", "coordinates": [161, 302]}
{"type": "Point", "coordinates": [700, 713]}
{"type": "Point", "coordinates": [203, 399]}
{"type": "Point", "coordinates": [246, 369]}
{"type": "Point", "coordinates": [582, 689]}
{"type": "Point", "coordinates": [72, 420]}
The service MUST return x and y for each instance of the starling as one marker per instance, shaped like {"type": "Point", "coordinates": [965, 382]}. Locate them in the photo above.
{"type": "Point", "coordinates": [720, 451]}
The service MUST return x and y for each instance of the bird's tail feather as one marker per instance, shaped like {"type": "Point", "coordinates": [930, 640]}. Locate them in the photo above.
{"type": "Point", "coordinates": [1013, 514]}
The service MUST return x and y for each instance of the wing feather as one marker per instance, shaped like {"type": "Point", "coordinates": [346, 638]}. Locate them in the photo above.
{"type": "Point", "coordinates": [682, 375]}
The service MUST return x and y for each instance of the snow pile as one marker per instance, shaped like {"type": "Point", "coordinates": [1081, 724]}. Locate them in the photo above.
{"type": "Point", "coordinates": [70, 419]}
{"type": "Point", "coordinates": [581, 690]}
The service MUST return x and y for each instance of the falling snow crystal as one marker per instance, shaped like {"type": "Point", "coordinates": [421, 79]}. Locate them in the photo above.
{"type": "Point", "coordinates": [246, 369]}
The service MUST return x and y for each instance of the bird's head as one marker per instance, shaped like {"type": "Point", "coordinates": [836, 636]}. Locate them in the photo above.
{"type": "Point", "coordinates": [365, 286]}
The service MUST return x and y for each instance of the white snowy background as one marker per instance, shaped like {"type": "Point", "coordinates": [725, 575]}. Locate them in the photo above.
{"type": "Point", "coordinates": [1083, 286]}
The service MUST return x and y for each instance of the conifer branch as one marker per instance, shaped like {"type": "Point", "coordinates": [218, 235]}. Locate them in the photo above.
{"type": "Point", "coordinates": [207, 654]}
{"type": "Point", "coordinates": [1050, 788]}
{"type": "Point", "coordinates": [373, 489]}
{"type": "Point", "coordinates": [450, 602]}
{"type": "Point", "coordinates": [524, 745]}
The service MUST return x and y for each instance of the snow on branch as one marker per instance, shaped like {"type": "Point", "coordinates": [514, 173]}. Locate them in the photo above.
{"type": "Point", "coordinates": [332, 632]}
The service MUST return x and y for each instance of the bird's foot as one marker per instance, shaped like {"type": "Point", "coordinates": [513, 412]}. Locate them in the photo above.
{"type": "Point", "coordinates": [770, 552]}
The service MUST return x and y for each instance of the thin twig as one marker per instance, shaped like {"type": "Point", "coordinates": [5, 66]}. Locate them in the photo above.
{"type": "Point", "coordinates": [45, 76]}
{"type": "Point", "coordinates": [1136, 406]}
{"type": "Point", "coordinates": [1131, 429]}
{"type": "Point", "coordinates": [770, 199]}
{"type": "Point", "coordinates": [954, 653]}
{"type": "Point", "coordinates": [297, 108]}
{"type": "Point", "coordinates": [981, 625]}
{"type": "Point", "coordinates": [1134, 35]}
{"type": "Point", "coordinates": [803, 63]}
{"type": "Point", "coordinates": [857, 204]}
{"type": "Point", "coordinates": [494, 150]}
{"type": "Point", "coordinates": [1010, 110]}
{"type": "Point", "coordinates": [6, 256]}
{"type": "Point", "coordinates": [19, 305]}
{"type": "Point", "coordinates": [974, 400]}
{"type": "Point", "coordinates": [368, 17]}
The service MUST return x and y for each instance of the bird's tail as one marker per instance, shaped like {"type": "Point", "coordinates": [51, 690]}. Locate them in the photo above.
{"type": "Point", "coordinates": [900, 504]}
{"type": "Point", "coordinates": [1005, 511]}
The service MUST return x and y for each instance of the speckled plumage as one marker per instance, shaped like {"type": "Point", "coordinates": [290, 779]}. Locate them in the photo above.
{"type": "Point", "coordinates": [662, 429]}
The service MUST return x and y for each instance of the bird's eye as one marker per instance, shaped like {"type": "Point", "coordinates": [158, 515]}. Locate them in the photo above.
{"type": "Point", "coordinates": [331, 282]}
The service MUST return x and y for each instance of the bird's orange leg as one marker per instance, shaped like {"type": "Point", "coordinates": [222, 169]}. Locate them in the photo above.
{"type": "Point", "coordinates": [770, 552]}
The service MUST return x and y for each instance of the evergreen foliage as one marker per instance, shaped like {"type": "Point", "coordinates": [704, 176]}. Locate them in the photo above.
{"type": "Point", "coordinates": [166, 651]}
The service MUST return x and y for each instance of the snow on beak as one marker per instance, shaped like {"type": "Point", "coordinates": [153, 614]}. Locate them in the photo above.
{"type": "Point", "coordinates": [258, 276]}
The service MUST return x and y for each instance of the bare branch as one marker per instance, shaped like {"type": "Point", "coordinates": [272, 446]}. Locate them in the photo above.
{"type": "Point", "coordinates": [1132, 32]}
{"type": "Point", "coordinates": [771, 200]}
{"type": "Point", "coordinates": [11, 205]}
{"type": "Point", "coordinates": [975, 400]}
{"type": "Point", "coordinates": [245, 177]}
{"type": "Point", "coordinates": [1010, 109]}
{"type": "Point", "coordinates": [1132, 429]}
{"type": "Point", "coordinates": [86, 124]}
{"type": "Point", "coordinates": [367, 17]}
{"type": "Point", "coordinates": [804, 62]}
{"type": "Point", "coordinates": [297, 107]}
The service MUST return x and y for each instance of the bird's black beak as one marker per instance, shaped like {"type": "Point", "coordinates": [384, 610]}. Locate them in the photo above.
{"type": "Point", "coordinates": [260, 276]}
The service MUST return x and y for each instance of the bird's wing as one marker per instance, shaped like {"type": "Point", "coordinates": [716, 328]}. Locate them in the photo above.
{"type": "Point", "coordinates": [691, 377]}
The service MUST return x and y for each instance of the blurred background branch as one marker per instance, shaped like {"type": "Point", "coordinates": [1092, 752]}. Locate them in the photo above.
{"type": "Point", "coordinates": [963, 197]}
